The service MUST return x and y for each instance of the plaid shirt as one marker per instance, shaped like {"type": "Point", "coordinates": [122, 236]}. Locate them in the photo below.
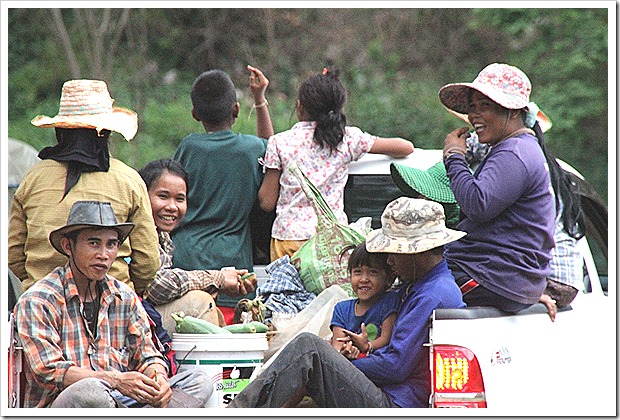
{"type": "Point", "coordinates": [172, 283]}
{"type": "Point", "coordinates": [55, 338]}
{"type": "Point", "coordinates": [284, 290]}
{"type": "Point", "coordinates": [566, 262]}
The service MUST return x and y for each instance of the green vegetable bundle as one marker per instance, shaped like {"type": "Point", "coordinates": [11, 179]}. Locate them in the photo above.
{"type": "Point", "coordinates": [249, 327]}
{"type": "Point", "coordinates": [191, 325]}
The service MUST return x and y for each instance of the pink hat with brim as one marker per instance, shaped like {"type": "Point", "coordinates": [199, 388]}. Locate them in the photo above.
{"type": "Point", "coordinates": [87, 104]}
{"type": "Point", "coordinates": [503, 84]}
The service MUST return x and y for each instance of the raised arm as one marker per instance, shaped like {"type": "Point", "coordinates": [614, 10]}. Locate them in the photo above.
{"type": "Point", "coordinates": [395, 147]}
{"type": "Point", "coordinates": [258, 85]}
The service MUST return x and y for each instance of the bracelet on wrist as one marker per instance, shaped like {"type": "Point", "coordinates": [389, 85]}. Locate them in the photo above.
{"type": "Point", "coordinates": [460, 150]}
{"type": "Point", "coordinates": [370, 348]}
{"type": "Point", "coordinates": [261, 105]}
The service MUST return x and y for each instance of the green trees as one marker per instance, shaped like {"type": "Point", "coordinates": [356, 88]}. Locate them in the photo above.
{"type": "Point", "coordinates": [393, 63]}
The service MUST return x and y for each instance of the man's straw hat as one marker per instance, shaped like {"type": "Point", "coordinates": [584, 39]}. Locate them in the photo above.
{"type": "Point", "coordinates": [87, 104]}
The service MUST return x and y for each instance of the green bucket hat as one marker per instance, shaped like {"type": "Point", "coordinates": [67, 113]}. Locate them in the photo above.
{"type": "Point", "coordinates": [433, 183]}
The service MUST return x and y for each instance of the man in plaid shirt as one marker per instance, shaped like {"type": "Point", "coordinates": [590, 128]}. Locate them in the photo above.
{"type": "Point", "coordinates": [86, 336]}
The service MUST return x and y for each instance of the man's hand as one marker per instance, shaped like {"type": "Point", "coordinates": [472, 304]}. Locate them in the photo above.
{"type": "Point", "coordinates": [143, 389]}
{"type": "Point", "coordinates": [348, 350]}
{"type": "Point", "coordinates": [360, 341]}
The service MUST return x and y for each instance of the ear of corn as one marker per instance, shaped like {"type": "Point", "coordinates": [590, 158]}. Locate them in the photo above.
{"type": "Point", "coordinates": [191, 325]}
{"type": "Point", "coordinates": [248, 276]}
{"type": "Point", "coordinates": [240, 328]}
{"type": "Point", "coordinates": [259, 326]}
{"type": "Point", "coordinates": [248, 327]}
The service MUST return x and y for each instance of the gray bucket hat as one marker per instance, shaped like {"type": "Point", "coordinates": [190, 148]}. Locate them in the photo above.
{"type": "Point", "coordinates": [411, 226]}
{"type": "Point", "coordinates": [88, 215]}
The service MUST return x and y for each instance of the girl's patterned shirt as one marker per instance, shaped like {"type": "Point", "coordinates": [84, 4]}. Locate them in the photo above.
{"type": "Point", "coordinates": [328, 171]}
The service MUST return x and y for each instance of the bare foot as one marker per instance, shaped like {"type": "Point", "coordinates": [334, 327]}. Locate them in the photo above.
{"type": "Point", "coordinates": [550, 304]}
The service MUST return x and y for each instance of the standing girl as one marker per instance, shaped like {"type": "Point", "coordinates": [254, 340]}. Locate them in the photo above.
{"type": "Point", "coordinates": [323, 146]}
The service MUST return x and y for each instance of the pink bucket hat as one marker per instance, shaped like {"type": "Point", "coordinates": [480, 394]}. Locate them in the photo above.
{"type": "Point", "coordinates": [504, 84]}
{"type": "Point", "coordinates": [87, 104]}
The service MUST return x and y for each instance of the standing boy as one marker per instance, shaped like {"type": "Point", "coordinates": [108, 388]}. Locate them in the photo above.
{"type": "Point", "coordinates": [225, 175]}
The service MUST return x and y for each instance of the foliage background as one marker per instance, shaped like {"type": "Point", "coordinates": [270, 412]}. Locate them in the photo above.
{"type": "Point", "coordinates": [393, 63]}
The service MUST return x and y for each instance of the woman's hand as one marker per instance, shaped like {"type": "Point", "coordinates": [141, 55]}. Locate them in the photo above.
{"type": "Point", "coordinates": [233, 285]}
{"type": "Point", "coordinates": [550, 303]}
{"type": "Point", "coordinates": [455, 142]}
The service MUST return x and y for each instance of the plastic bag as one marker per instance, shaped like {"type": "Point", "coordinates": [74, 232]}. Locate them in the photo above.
{"type": "Point", "coordinates": [315, 318]}
{"type": "Point", "coordinates": [319, 260]}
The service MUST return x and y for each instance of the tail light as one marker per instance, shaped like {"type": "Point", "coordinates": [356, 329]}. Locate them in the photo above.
{"type": "Point", "coordinates": [457, 379]}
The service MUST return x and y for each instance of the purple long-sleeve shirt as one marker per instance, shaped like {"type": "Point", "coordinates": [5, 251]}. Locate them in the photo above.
{"type": "Point", "coordinates": [401, 368]}
{"type": "Point", "coordinates": [508, 212]}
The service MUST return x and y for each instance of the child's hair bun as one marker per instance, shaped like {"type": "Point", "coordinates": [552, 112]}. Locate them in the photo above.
{"type": "Point", "coordinates": [331, 72]}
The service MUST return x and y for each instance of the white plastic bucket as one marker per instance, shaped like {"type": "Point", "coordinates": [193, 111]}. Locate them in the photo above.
{"type": "Point", "coordinates": [229, 359]}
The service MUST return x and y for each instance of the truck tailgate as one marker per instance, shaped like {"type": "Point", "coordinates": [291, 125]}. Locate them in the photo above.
{"type": "Point", "coordinates": [531, 365]}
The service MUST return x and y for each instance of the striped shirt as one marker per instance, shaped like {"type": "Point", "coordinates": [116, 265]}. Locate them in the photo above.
{"type": "Point", "coordinates": [172, 283]}
{"type": "Point", "coordinates": [54, 336]}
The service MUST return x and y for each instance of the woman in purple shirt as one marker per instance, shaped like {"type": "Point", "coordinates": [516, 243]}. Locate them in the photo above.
{"type": "Point", "coordinates": [507, 206]}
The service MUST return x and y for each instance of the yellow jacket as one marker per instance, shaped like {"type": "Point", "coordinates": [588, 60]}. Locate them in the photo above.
{"type": "Point", "coordinates": [37, 210]}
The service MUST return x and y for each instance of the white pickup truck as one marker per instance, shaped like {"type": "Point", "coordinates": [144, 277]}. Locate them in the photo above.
{"type": "Point", "coordinates": [522, 364]}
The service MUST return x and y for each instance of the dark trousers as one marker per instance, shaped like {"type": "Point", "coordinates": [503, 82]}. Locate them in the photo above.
{"type": "Point", "coordinates": [309, 362]}
{"type": "Point", "coordinates": [481, 296]}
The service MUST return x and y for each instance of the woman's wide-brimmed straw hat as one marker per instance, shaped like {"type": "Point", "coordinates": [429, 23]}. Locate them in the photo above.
{"type": "Point", "coordinates": [504, 84]}
{"type": "Point", "coordinates": [89, 215]}
{"type": "Point", "coordinates": [411, 226]}
{"type": "Point", "coordinates": [87, 104]}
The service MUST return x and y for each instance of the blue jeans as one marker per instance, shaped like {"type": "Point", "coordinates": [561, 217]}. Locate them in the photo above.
{"type": "Point", "coordinates": [194, 384]}
{"type": "Point", "coordinates": [311, 364]}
